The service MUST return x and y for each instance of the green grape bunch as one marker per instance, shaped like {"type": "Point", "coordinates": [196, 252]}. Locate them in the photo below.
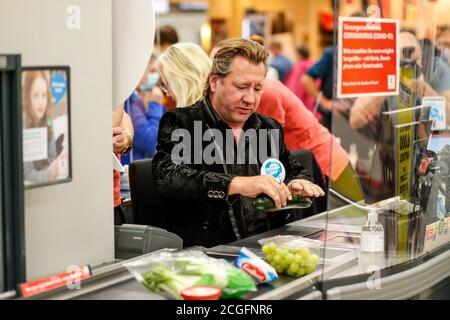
{"type": "Point", "coordinates": [293, 262]}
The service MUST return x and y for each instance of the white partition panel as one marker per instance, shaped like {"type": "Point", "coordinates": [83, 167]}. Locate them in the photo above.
{"type": "Point", "coordinates": [71, 223]}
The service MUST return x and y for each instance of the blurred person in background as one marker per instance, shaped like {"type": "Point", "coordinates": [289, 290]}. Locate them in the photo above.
{"type": "Point", "coordinates": [165, 36]}
{"type": "Point", "coordinates": [366, 111]}
{"type": "Point", "coordinates": [368, 114]}
{"type": "Point", "coordinates": [184, 68]}
{"type": "Point", "coordinates": [272, 73]}
{"type": "Point", "coordinates": [293, 79]}
{"type": "Point", "coordinates": [279, 61]}
{"type": "Point", "coordinates": [443, 44]}
{"type": "Point", "coordinates": [434, 66]}
{"type": "Point", "coordinates": [322, 70]}
{"type": "Point", "coordinates": [145, 108]}
{"type": "Point", "coordinates": [122, 139]}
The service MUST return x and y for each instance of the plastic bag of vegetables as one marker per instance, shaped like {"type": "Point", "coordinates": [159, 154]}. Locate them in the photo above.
{"type": "Point", "coordinates": [170, 272]}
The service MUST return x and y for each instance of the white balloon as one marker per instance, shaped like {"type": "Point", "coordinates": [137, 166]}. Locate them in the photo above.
{"type": "Point", "coordinates": [133, 34]}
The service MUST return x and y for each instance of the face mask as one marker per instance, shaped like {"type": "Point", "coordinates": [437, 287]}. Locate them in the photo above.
{"type": "Point", "coordinates": [152, 80]}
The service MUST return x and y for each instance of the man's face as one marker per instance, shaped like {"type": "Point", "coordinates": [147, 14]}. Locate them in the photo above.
{"type": "Point", "coordinates": [237, 96]}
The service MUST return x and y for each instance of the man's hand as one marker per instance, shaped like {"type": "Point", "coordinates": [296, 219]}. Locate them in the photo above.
{"type": "Point", "coordinates": [340, 107]}
{"type": "Point", "coordinates": [120, 140]}
{"type": "Point", "coordinates": [364, 111]}
{"type": "Point", "coordinates": [305, 188]}
{"type": "Point", "coordinates": [254, 186]}
{"type": "Point", "coordinates": [326, 104]}
{"type": "Point", "coordinates": [423, 88]}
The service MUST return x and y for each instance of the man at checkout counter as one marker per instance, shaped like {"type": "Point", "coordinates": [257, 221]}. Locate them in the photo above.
{"type": "Point", "coordinates": [209, 155]}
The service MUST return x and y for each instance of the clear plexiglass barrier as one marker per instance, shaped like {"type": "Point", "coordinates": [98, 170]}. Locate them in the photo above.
{"type": "Point", "coordinates": [388, 208]}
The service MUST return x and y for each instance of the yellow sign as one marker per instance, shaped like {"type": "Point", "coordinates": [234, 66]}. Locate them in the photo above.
{"type": "Point", "coordinates": [404, 132]}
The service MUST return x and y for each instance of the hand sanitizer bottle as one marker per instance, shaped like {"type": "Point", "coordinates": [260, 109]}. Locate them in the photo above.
{"type": "Point", "coordinates": [372, 234]}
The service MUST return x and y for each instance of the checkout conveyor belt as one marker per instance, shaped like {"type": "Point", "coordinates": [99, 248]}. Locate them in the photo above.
{"type": "Point", "coordinates": [338, 274]}
{"type": "Point", "coordinates": [114, 282]}
{"type": "Point", "coordinates": [129, 288]}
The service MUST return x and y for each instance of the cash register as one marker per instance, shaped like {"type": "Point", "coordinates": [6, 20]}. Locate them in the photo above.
{"type": "Point", "coordinates": [133, 240]}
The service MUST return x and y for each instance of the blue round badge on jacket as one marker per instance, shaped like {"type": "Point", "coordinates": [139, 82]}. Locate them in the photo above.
{"type": "Point", "coordinates": [274, 168]}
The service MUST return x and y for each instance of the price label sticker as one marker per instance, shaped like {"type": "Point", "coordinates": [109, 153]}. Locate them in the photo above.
{"type": "Point", "coordinates": [437, 111]}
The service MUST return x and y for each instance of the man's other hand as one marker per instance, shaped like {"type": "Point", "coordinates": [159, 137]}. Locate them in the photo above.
{"type": "Point", "coordinates": [254, 186]}
{"type": "Point", "coordinates": [305, 188]}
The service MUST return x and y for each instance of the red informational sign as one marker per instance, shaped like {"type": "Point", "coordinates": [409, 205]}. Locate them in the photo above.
{"type": "Point", "coordinates": [71, 279]}
{"type": "Point", "coordinates": [368, 57]}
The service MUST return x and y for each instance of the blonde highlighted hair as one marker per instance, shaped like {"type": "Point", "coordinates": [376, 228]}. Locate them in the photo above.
{"type": "Point", "coordinates": [186, 67]}
{"type": "Point", "coordinates": [227, 50]}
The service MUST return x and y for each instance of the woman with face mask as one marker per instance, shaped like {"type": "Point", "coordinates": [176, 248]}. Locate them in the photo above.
{"type": "Point", "coordinates": [37, 106]}
{"type": "Point", "coordinates": [145, 109]}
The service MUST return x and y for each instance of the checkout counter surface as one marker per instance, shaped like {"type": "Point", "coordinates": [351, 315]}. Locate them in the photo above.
{"type": "Point", "coordinates": [341, 273]}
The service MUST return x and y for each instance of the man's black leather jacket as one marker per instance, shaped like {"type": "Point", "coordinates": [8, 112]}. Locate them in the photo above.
{"type": "Point", "coordinates": [195, 195]}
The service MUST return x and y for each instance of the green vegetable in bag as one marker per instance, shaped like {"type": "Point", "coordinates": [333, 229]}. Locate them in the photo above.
{"type": "Point", "coordinates": [161, 279]}
{"type": "Point", "coordinates": [171, 272]}
{"type": "Point", "coordinates": [234, 282]}
{"type": "Point", "coordinates": [239, 284]}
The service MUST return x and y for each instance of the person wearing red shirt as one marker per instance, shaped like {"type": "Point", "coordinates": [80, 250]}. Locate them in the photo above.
{"type": "Point", "coordinates": [292, 81]}
{"type": "Point", "coordinates": [122, 138]}
{"type": "Point", "coordinates": [301, 128]}
{"type": "Point", "coordinates": [303, 131]}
